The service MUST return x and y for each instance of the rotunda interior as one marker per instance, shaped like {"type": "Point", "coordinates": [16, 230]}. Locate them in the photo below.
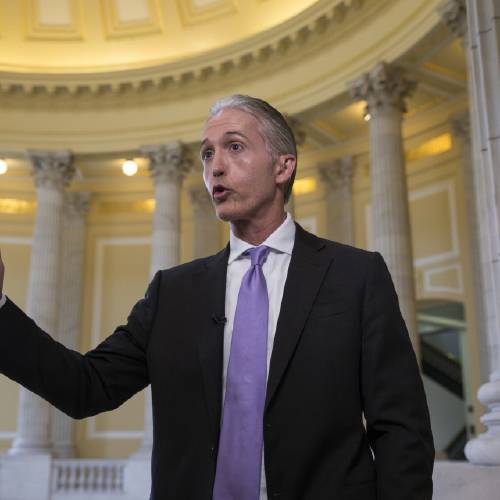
{"type": "Point", "coordinates": [95, 83]}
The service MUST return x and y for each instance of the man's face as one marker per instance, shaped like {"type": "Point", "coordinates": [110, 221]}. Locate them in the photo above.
{"type": "Point", "coordinates": [238, 170]}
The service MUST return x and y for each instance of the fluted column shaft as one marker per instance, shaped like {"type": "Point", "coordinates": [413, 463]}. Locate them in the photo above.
{"type": "Point", "coordinates": [169, 163]}
{"type": "Point", "coordinates": [206, 240]}
{"type": "Point", "coordinates": [337, 177]}
{"type": "Point", "coordinates": [478, 23]}
{"type": "Point", "coordinates": [52, 172]}
{"type": "Point", "coordinates": [385, 89]}
{"type": "Point", "coordinates": [73, 238]}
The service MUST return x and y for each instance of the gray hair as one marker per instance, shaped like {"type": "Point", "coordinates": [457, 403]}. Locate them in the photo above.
{"type": "Point", "coordinates": [275, 130]}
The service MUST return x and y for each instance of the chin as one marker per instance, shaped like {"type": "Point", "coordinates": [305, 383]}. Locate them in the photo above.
{"type": "Point", "coordinates": [227, 213]}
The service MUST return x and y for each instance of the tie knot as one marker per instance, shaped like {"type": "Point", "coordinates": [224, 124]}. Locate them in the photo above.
{"type": "Point", "coordinates": [258, 255]}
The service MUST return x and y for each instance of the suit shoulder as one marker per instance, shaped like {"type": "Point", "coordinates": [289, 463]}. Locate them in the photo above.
{"type": "Point", "coordinates": [342, 250]}
{"type": "Point", "coordinates": [188, 268]}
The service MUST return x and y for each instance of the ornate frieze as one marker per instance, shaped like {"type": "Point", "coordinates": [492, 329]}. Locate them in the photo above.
{"type": "Point", "coordinates": [259, 48]}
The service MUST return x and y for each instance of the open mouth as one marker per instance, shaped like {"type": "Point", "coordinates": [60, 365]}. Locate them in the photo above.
{"type": "Point", "coordinates": [220, 192]}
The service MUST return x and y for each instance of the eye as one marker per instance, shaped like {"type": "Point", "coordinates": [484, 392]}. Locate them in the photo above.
{"type": "Point", "coordinates": [235, 146]}
{"type": "Point", "coordinates": [207, 154]}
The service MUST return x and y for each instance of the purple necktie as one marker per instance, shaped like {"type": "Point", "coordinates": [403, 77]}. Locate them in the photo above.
{"type": "Point", "coordinates": [240, 447]}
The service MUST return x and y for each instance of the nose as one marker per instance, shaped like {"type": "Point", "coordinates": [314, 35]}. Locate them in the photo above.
{"type": "Point", "coordinates": [218, 165]}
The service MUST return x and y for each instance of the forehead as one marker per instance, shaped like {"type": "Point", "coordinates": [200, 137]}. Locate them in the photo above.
{"type": "Point", "coordinates": [230, 120]}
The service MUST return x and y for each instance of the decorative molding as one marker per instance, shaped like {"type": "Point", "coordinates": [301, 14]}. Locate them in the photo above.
{"type": "Point", "coordinates": [316, 24]}
{"type": "Point", "coordinates": [97, 294]}
{"type": "Point", "coordinates": [449, 188]}
{"type": "Point", "coordinates": [17, 206]}
{"type": "Point", "coordinates": [16, 240]}
{"type": "Point", "coordinates": [192, 14]}
{"type": "Point", "coordinates": [36, 29]}
{"type": "Point", "coordinates": [428, 274]}
{"type": "Point", "coordinates": [7, 435]}
{"type": "Point", "coordinates": [93, 433]}
{"type": "Point", "coordinates": [114, 27]}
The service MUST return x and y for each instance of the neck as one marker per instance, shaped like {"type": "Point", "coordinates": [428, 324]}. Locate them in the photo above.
{"type": "Point", "coordinates": [257, 231]}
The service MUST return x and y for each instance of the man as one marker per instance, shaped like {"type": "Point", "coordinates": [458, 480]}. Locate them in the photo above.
{"type": "Point", "coordinates": [264, 357]}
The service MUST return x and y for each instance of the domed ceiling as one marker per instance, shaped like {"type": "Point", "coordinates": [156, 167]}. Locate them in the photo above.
{"type": "Point", "coordinates": [81, 36]}
{"type": "Point", "coordinates": [107, 76]}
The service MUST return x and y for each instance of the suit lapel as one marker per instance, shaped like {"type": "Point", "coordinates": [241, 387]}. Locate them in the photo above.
{"type": "Point", "coordinates": [211, 285]}
{"type": "Point", "coordinates": [308, 267]}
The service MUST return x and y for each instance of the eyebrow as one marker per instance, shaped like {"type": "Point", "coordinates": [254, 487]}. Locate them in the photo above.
{"type": "Point", "coordinates": [229, 132]}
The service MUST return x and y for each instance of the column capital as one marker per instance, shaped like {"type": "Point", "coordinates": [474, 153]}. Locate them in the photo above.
{"type": "Point", "coordinates": [386, 85]}
{"type": "Point", "coordinates": [297, 128]}
{"type": "Point", "coordinates": [337, 173]}
{"type": "Point", "coordinates": [76, 204]}
{"type": "Point", "coordinates": [454, 15]}
{"type": "Point", "coordinates": [52, 168]}
{"type": "Point", "coordinates": [168, 162]}
{"type": "Point", "coordinates": [460, 126]}
{"type": "Point", "coordinates": [200, 198]}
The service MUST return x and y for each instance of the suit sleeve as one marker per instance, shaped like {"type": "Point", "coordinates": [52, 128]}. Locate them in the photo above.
{"type": "Point", "coordinates": [395, 406]}
{"type": "Point", "coordinates": [79, 385]}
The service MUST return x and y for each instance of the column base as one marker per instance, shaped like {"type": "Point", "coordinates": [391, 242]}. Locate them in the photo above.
{"type": "Point", "coordinates": [138, 477]}
{"type": "Point", "coordinates": [463, 481]}
{"type": "Point", "coordinates": [21, 447]}
{"type": "Point", "coordinates": [485, 449]}
{"type": "Point", "coordinates": [25, 477]}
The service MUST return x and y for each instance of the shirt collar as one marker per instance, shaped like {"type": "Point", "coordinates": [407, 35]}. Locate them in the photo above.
{"type": "Point", "coordinates": [281, 240]}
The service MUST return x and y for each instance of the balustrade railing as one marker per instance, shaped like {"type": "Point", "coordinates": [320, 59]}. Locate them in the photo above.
{"type": "Point", "coordinates": [77, 476]}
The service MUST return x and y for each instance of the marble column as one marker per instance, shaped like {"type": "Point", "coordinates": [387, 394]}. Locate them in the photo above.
{"type": "Point", "coordinates": [73, 250]}
{"type": "Point", "coordinates": [460, 127]}
{"type": "Point", "coordinates": [206, 237]}
{"type": "Point", "coordinates": [479, 24]}
{"type": "Point", "coordinates": [168, 165]}
{"type": "Point", "coordinates": [337, 178]}
{"type": "Point", "coordinates": [384, 89]}
{"type": "Point", "coordinates": [52, 171]}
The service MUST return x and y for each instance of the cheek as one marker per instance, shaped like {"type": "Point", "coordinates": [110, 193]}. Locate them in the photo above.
{"type": "Point", "coordinates": [205, 176]}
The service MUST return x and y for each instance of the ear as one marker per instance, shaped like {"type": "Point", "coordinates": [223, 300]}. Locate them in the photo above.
{"type": "Point", "coordinates": [284, 168]}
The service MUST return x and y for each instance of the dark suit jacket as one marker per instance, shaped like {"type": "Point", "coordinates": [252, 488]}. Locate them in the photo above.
{"type": "Point", "coordinates": [341, 350]}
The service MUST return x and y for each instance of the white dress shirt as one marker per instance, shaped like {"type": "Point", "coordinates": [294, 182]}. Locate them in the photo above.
{"type": "Point", "coordinates": [275, 271]}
